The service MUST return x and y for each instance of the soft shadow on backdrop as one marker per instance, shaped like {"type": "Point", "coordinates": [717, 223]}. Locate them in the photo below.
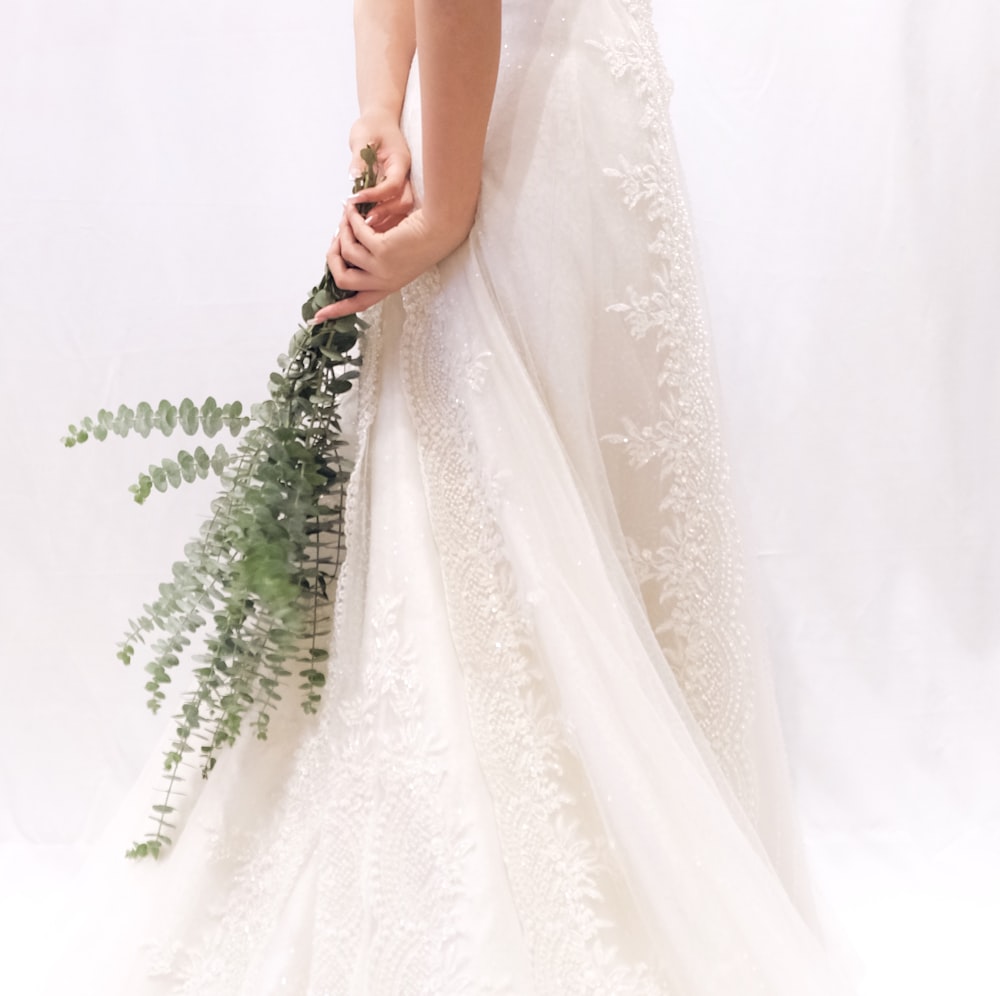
{"type": "Point", "coordinates": [170, 179]}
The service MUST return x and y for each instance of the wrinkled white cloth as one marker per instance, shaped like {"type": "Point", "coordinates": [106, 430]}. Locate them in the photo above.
{"type": "Point", "coordinates": [547, 760]}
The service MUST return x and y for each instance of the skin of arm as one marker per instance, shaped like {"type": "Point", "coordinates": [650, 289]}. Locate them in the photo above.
{"type": "Point", "coordinates": [459, 46]}
{"type": "Point", "coordinates": [385, 41]}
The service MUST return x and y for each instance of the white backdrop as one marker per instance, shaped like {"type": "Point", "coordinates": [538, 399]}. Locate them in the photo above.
{"type": "Point", "coordinates": [170, 178]}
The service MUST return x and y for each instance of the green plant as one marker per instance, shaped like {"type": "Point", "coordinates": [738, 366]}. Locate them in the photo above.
{"type": "Point", "coordinates": [261, 573]}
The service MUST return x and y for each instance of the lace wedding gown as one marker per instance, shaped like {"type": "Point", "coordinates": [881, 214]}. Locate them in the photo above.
{"type": "Point", "coordinates": [546, 761]}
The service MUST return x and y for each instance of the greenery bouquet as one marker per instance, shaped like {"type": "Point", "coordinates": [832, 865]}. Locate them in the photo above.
{"type": "Point", "coordinates": [260, 575]}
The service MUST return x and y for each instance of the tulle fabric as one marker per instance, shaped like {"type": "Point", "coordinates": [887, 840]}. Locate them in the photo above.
{"type": "Point", "coordinates": [547, 759]}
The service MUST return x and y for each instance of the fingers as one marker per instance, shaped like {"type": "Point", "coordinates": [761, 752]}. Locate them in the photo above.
{"type": "Point", "coordinates": [393, 178]}
{"type": "Point", "coordinates": [348, 306]}
{"type": "Point", "coordinates": [357, 238]}
{"type": "Point", "coordinates": [392, 196]}
{"type": "Point", "coordinates": [339, 270]}
{"type": "Point", "coordinates": [384, 218]}
{"type": "Point", "coordinates": [350, 257]}
{"type": "Point", "coordinates": [388, 189]}
{"type": "Point", "coordinates": [407, 200]}
{"type": "Point", "coordinates": [349, 278]}
{"type": "Point", "coordinates": [388, 214]}
{"type": "Point", "coordinates": [383, 221]}
{"type": "Point", "coordinates": [346, 275]}
{"type": "Point", "coordinates": [389, 200]}
{"type": "Point", "coordinates": [393, 174]}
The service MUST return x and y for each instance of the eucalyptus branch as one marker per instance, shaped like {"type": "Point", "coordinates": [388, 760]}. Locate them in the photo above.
{"type": "Point", "coordinates": [260, 575]}
{"type": "Point", "coordinates": [144, 419]}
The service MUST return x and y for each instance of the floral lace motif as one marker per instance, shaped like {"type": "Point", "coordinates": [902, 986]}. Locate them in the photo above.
{"type": "Point", "coordinates": [362, 822]}
{"type": "Point", "coordinates": [559, 871]}
{"type": "Point", "coordinates": [691, 575]}
{"type": "Point", "coordinates": [405, 875]}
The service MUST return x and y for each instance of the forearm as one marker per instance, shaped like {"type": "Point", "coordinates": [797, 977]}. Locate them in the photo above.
{"type": "Point", "coordinates": [385, 40]}
{"type": "Point", "coordinates": [459, 46]}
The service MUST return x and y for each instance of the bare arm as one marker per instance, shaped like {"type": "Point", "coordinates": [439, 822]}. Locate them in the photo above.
{"type": "Point", "coordinates": [384, 41]}
{"type": "Point", "coordinates": [458, 42]}
{"type": "Point", "coordinates": [459, 45]}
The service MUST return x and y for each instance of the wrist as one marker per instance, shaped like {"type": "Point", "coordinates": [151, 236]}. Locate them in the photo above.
{"type": "Point", "coordinates": [447, 229]}
{"type": "Point", "coordinates": [378, 116]}
{"type": "Point", "coordinates": [377, 127]}
{"type": "Point", "coordinates": [454, 212]}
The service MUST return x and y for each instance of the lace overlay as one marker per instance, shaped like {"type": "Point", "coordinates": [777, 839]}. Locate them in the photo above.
{"type": "Point", "coordinates": [356, 523]}
{"type": "Point", "coordinates": [409, 864]}
{"type": "Point", "coordinates": [560, 871]}
{"type": "Point", "coordinates": [363, 826]}
{"type": "Point", "coordinates": [689, 570]}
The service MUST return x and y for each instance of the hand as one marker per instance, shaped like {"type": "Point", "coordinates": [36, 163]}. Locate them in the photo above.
{"type": "Point", "coordinates": [393, 194]}
{"type": "Point", "coordinates": [374, 264]}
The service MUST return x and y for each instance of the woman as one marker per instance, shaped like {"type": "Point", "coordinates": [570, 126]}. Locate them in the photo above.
{"type": "Point", "coordinates": [547, 759]}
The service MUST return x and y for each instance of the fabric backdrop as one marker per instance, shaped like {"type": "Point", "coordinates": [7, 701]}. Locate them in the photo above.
{"type": "Point", "coordinates": [171, 175]}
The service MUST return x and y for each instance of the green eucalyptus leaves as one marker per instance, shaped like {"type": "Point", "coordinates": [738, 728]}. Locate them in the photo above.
{"type": "Point", "coordinates": [257, 582]}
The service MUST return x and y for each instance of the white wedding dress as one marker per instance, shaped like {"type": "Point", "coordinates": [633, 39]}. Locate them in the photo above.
{"type": "Point", "coordinates": [547, 759]}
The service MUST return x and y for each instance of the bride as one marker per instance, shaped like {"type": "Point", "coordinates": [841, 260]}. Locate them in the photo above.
{"type": "Point", "coordinates": [547, 759]}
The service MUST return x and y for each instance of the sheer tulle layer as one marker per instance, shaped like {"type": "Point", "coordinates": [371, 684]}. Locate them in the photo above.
{"type": "Point", "coordinates": [546, 761]}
